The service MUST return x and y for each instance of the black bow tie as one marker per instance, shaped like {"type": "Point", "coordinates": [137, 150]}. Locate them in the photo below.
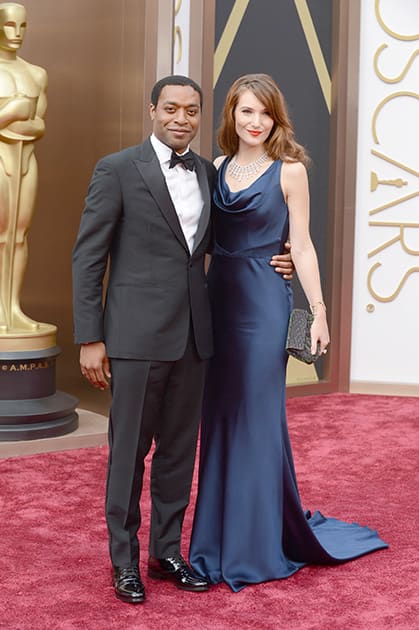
{"type": "Point", "coordinates": [186, 160]}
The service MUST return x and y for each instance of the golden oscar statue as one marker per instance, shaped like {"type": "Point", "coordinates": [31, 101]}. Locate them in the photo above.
{"type": "Point", "coordinates": [30, 406]}
{"type": "Point", "coordinates": [22, 109]}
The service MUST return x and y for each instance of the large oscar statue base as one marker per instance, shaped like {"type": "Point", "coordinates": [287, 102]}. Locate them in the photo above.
{"type": "Point", "coordinates": [30, 406]}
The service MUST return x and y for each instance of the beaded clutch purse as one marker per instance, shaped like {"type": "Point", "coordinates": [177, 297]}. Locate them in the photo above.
{"type": "Point", "coordinates": [298, 342]}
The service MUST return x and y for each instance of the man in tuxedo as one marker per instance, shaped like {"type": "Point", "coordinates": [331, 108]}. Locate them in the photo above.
{"type": "Point", "coordinates": [148, 211]}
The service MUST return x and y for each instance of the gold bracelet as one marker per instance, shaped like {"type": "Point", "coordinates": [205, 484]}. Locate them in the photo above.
{"type": "Point", "coordinates": [314, 309]}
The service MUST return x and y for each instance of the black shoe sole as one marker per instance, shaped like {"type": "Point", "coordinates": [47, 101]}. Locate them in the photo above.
{"type": "Point", "coordinates": [129, 600]}
{"type": "Point", "coordinates": [155, 575]}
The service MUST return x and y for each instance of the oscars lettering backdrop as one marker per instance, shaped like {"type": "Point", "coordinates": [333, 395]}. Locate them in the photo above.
{"type": "Point", "coordinates": [385, 339]}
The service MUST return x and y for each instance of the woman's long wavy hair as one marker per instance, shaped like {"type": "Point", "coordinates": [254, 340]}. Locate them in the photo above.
{"type": "Point", "coordinates": [281, 144]}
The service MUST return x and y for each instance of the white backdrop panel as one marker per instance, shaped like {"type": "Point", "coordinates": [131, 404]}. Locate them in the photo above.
{"type": "Point", "coordinates": [385, 318]}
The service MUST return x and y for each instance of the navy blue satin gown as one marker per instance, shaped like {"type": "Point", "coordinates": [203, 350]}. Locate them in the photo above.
{"type": "Point", "coordinates": [249, 525]}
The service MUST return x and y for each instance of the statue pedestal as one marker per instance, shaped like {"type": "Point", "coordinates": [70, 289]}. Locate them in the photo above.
{"type": "Point", "coordinates": [30, 406]}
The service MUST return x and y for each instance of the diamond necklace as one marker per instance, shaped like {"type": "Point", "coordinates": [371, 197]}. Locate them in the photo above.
{"type": "Point", "coordinates": [244, 172]}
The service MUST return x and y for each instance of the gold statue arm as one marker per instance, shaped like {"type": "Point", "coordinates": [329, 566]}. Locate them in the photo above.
{"type": "Point", "coordinates": [14, 108]}
{"type": "Point", "coordinates": [31, 127]}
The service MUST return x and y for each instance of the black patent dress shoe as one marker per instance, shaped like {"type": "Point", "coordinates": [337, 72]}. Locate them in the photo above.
{"type": "Point", "coordinates": [128, 586]}
{"type": "Point", "coordinates": [177, 570]}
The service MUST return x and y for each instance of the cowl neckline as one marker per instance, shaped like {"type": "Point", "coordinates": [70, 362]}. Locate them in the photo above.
{"type": "Point", "coordinates": [246, 199]}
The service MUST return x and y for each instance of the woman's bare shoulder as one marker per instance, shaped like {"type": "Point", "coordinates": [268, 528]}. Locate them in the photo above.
{"type": "Point", "coordinates": [294, 169]}
{"type": "Point", "coordinates": [293, 178]}
{"type": "Point", "coordinates": [219, 160]}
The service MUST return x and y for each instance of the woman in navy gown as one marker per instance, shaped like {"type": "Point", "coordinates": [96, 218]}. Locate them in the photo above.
{"type": "Point", "coordinates": [249, 525]}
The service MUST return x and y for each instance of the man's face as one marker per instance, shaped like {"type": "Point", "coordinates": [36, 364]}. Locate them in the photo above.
{"type": "Point", "coordinates": [12, 28]}
{"type": "Point", "coordinates": [176, 116]}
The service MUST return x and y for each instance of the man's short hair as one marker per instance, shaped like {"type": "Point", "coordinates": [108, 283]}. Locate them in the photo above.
{"type": "Point", "coordinates": [174, 79]}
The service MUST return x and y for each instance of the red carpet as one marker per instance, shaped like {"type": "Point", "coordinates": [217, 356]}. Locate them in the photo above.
{"type": "Point", "coordinates": [356, 458]}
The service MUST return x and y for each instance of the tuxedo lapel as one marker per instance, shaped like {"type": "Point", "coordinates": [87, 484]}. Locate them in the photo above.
{"type": "Point", "coordinates": [149, 168]}
{"type": "Point", "coordinates": [206, 197]}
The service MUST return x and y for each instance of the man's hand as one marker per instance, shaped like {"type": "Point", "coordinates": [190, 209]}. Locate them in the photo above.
{"type": "Point", "coordinates": [283, 262]}
{"type": "Point", "coordinates": [94, 364]}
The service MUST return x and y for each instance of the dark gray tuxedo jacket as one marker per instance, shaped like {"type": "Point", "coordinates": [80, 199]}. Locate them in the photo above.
{"type": "Point", "coordinates": [155, 286]}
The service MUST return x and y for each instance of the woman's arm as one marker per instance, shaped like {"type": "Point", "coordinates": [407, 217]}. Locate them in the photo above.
{"type": "Point", "coordinates": [294, 183]}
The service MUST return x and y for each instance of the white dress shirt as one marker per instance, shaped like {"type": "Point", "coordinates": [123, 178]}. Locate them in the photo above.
{"type": "Point", "coordinates": [184, 190]}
